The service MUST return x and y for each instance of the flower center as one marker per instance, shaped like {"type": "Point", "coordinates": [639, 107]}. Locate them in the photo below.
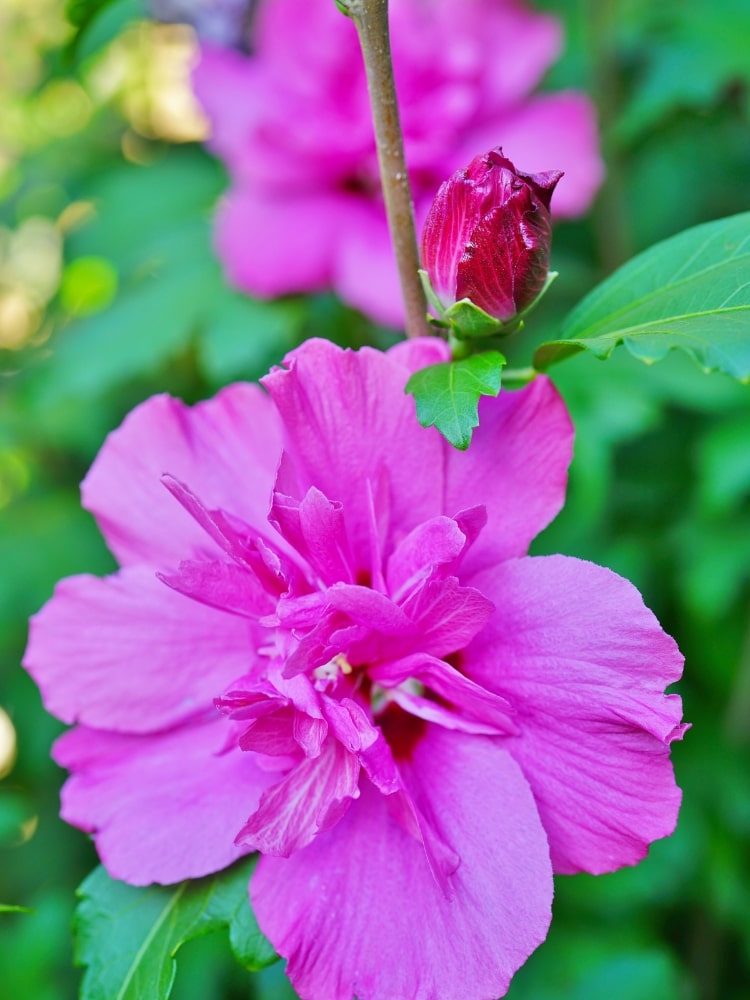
{"type": "Point", "coordinates": [352, 617]}
{"type": "Point", "coordinates": [336, 667]}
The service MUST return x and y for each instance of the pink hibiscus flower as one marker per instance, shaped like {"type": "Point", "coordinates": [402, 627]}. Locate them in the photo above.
{"type": "Point", "coordinates": [293, 124]}
{"type": "Point", "coordinates": [327, 643]}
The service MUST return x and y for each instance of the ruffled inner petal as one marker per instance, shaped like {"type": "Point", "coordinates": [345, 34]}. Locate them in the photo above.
{"type": "Point", "coordinates": [312, 797]}
{"type": "Point", "coordinates": [464, 696]}
{"type": "Point", "coordinates": [315, 527]}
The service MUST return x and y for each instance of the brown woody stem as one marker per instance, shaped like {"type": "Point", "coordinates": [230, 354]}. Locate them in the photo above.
{"type": "Point", "coordinates": [371, 19]}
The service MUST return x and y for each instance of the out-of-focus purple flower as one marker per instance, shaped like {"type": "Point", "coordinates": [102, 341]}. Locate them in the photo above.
{"type": "Point", "coordinates": [487, 236]}
{"type": "Point", "coordinates": [292, 122]}
{"type": "Point", "coordinates": [417, 722]}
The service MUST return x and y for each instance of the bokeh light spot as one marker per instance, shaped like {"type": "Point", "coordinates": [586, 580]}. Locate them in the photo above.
{"type": "Point", "coordinates": [88, 285]}
{"type": "Point", "coordinates": [8, 744]}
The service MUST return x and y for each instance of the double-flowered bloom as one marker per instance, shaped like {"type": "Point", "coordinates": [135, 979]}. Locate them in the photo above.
{"type": "Point", "coordinates": [291, 120]}
{"type": "Point", "coordinates": [327, 643]}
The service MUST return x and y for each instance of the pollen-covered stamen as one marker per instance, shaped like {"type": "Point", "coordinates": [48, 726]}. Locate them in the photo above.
{"type": "Point", "coordinates": [330, 672]}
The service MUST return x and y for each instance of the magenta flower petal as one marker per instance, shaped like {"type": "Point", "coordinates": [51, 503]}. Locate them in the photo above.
{"type": "Point", "coordinates": [446, 614]}
{"type": "Point", "coordinates": [526, 42]}
{"type": "Point", "coordinates": [430, 710]}
{"type": "Point", "coordinates": [221, 585]}
{"type": "Point", "coordinates": [434, 543]}
{"type": "Point", "coordinates": [352, 727]}
{"type": "Point", "coordinates": [453, 687]}
{"type": "Point", "coordinates": [527, 437]}
{"type": "Point", "coordinates": [145, 658]}
{"type": "Point", "coordinates": [364, 269]}
{"type": "Point", "coordinates": [355, 879]}
{"type": "Point", "coordinates": [141, 522]}
{"type": "Point", "coordinates": [419, 352]}
{"type": "Point", "coordinates": [225, 83]}
{"type": "Point", "coordinates": [367, 607]}
{"type": "Point", "coordinates": [159, 806]}
{"type": "Point", "coordinates": [585, 664]}
{"type": "Point", "coordinates": [310, 525]}
{"type": "Point", "coordinates": [345, 415]}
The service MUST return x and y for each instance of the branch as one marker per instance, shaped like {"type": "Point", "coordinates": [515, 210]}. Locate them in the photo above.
{"type": "Point", "coordinates": [371, 19]}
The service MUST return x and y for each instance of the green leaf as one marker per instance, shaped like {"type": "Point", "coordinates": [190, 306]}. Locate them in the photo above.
{"type": "Point", "coordinates": [447, 395]}
{"type": "Point", "coordinates": [7, 908]}
{"type": "Point", "coordinates": [128, 937]}
{"type": "Point", "coordinates": [691, 291]}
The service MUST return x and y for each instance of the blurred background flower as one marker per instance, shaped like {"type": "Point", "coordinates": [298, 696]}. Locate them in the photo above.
{"type": "Point", "coordinates": [291, 121]}
{"type": "Point", "coordinates": [104, 183]}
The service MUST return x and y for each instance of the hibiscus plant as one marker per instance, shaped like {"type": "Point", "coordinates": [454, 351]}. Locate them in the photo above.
{"type": "Point", "coordinates": [327, 666]}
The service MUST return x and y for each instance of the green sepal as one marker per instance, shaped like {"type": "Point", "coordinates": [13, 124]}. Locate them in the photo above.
{"type": "Point", "coordinates": [430, 293]}
{"type": "Point", "coordinates": [467, 321]}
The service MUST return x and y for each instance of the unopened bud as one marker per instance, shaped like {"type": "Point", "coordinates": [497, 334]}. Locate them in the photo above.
{"type": "Point", "coordinates": [487, 236]}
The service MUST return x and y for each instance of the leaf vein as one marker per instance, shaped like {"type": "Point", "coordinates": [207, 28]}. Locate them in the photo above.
{"type": "Point", "coordinates": [171, 903]}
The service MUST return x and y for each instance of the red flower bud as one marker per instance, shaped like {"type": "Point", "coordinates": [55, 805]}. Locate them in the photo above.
{"type": "Point", "coordinates": [487, 236]}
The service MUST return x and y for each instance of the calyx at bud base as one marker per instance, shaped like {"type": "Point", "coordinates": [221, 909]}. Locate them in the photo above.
{"type": "Point", "coordinates": [485, 245]}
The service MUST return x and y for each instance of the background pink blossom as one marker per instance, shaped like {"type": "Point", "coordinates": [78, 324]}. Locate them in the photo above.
{"type": "Point", "coordinates": [292, 123]}
{"type": "Point", "coordinates": [418, 722]}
